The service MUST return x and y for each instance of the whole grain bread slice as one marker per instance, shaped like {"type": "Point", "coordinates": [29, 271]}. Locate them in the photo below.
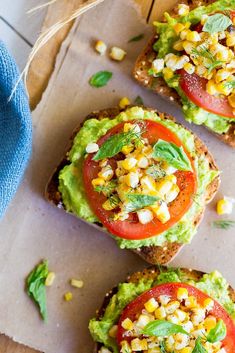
{"type": "Point", "coordinates": [158, 85]}
{"type": "Point", "coordinates": [151, 254]}
{"type": "Point", "coordinates": [152, 273]}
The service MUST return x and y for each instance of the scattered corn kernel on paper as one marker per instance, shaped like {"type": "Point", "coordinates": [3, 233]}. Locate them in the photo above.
{"type": "Point", "coordinates": [33, 229]}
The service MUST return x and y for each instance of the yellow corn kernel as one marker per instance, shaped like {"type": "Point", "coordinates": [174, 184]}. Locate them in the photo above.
{"type": "Point", "coordinates": [211, 87]}
{"type": "Point", "coordinates": [184, 33]}
{"type": "Point", "coordinates": [233, 20]}
{"type": "Point", "coordinates": [193, 36]}
{"type": "Point", "coordinates": [223, 89]}
{"type": "Point", "coordinates": [160, 313]}
{"type": "Point", "coordinates": [103, 163]}
{"type": "Point", "coordinates": [68, 296]}
{"type": "Point", "coordinates": [162, 212]}
{"type": "Point", "coordinates": [98, 182]}
{"type": "Point", "coordinates": [191, 302]}
{"type": "Point", "coordinates": [172, 306]}
{"type": "Point", "coordinates": [108, 205]}
{"type": "Point", "coordinates": [113, 331]}
{"type": "Point", "coordinates": [76, 283]}
{"type": "Point", "coordinates": [127, 127]}
{"type": "Point", "coordinates": [172, 178]}
{"type": "Point", "coordinates": [163, 186]}
{"type": "Point", "coordinates": [129, 163]}
{"type": "Point", "coordinates": [167, 73]}
{"type": "Point", "coordinates": [208, 304]}
{"type": "Point", "coordinates": [151, 305]}
{"type": "Point", "coordinates": [230, 41]}
{"type": "Point", "coordinates": [231, 100]}
{"type": "Point", "coordinates": [189, 68]}
{"type": "Point", "coordinates": [106, 173]}
{"type": "Point", "coordinates": [178, 27]}
{"type": "Point", "coordinates": [148, 183]}
{"type": "Point", "coordinates": [100, 47]}
{"type": "Point", "coordinates": [117, 54]}
{"type": "Point", "coordinates": [127, 324]}
{"type": "Point", "coordinates": [139, 345]}
{"type": "Point", "coordinates": [50, 279]}
{"type": "Point", "coordinates": [183, 9]}
{"type": "Point", "coordinates": [186, 350]}
{"type": "Point", "coordinates": [224, 206]}
{"type": "Point", "coordinates": [125, 347]}
{"type": "Point", "coordinates": [222, 75]}
{"type": "Point", "coordinates": [188, 46]}
{"type": "Point", "coordinates": [124, 102]}
{"type": "Point", "coordinates": [178, 45]}
{"type": "Point", "coordinates": [204, 19]}
{"type": "Point", "coordinates": [127, 149]}
{"type": "Point", "coordinates": [209, 323]}
{"type": "Point", "coordinates": [213, 39]}
{"type": "Point", "coordinates": [222, 54]}
{"type": "Point", "coordinates": [182, 293]}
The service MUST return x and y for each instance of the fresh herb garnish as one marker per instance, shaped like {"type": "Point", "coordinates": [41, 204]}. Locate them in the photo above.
{"type": "Point", "coordinates": [156, 172]}
{"type": "Point", "coordinates": [218, 333]}
{"type": "Point", "coordinates": [162, 346]}
{"type": "Point", "coordinates": [35, 284]}
{"type": "Point", "coordinates": [229, 84]}
{"type": "Point", "coordinates": [205, 53]}
{"type": "Point", "coordinates": [100, 79]}
{"type": "Point", "coordinates": [114, 144]}
{"type": "Point", "coordinates": [216, 23]}
{"type": "Point", "coordinates": [108, 189]}
{"type": "Point", "coordinates": [172, 154]}
{"type": "Point", "coordinates": [162, 328]}
{"type": "Point", "coordinates": [223, 224]}
{"type": "Point", "coordinates": [114, 200]}
{"type": "Point", "coordinates": [138, 100]}
{"type": "Point", "coordinates": [138, 201]}
{"type": "Point", "coordinates": [198, 348]}
{"type": "Point", "coordinates": [136, 38]}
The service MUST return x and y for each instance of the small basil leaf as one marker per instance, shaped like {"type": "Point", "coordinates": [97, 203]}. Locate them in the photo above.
{"type": "Point", "coordinates": [100, 79]}
{"type": "Point", "coordinates": [162, 328]}
{"type": "Point", "coordinates": [198, 348]}
{"type": "Point", "coordinates": [136, 38]}
{"type": "Point", "coordinates": [35, 284]}
{"type": "Point", "coordinates": [172, 154]}
{"type": "Point", "coordinates": [138, 201]}
{"type": "Point", "coordinates": [218, 333]}
{"type": "Point", "coordinates": [139, 100]}
{"type": "Point", "coordinates": [216, 23]}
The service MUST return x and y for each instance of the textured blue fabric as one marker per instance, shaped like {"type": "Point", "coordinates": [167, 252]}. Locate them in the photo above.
{"type": "Point", "coordinates": [15, 129]}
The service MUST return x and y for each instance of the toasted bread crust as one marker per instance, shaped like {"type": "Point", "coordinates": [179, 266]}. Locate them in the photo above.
{"type": "Point", "coordinates": [159, 86]}
{"type": "Point", "coordinates": [151, 273]}
{"type": "Point", "coordinates": [151, 254]}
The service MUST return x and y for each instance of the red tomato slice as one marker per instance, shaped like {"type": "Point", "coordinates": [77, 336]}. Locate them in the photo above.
{"type": "Point", "coordinates": [195, 89]}
{"type": "Point", "coordinates": [131, 228]}
{"type": "Point", "coordinates": [133, 310]}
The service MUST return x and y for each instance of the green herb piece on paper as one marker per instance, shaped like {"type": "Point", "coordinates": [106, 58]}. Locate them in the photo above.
{"type": "Point", "coordinates": [100, 79]}
{"type": "Point", "coordinates": [223, 224]}
{"type": "Point", "coordinates": [138, 201]}
{"type": "Point", "coordinates": [36, 288]}
{"type": "Point", "coordinates": [216, 23]}
{"type": "Point", "coordinates": [136, 38]}
{"type": "Point", "coordinates": [139, 101]}
{"type": "Point", "coordinates": [172, 154]}
{"type": "Point", "coordinates": [162, 328]}
{"type": "Point", "coordinates": [218, 333]}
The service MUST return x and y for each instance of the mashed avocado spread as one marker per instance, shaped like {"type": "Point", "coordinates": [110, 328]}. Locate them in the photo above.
{"type": "Point", "coordinates": [71, 182]}
{"type": "Point", "coordinates": [164, 46]}
{"type": "Point", "coordinates": [214, 284]}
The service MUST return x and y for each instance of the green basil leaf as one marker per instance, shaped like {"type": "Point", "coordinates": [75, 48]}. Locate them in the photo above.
{"type": "Point", "coordinates": [216, 23]}
{"type": "Point", "coordinates": [100, 79]}
{"type": "Point", "coordinates": [172, 154]}
{"type": "Point", "coordinates": [36, 289]}
{"type": "Point", "coordinates": [162, 328]}
{"type": "Point", "coordinates": [138, 201]}
{"type": "Point", "coordinates": [198, 348]}
{"type": "Point", "coordinates": [136, 38]}
{"type": "Point", "coordinates": [218, 333]}
{"type": "Point", "coordinates": [138, 100]}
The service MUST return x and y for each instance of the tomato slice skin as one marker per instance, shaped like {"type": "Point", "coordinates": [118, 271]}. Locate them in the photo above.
{"type": "Point", "coordinates": [132, 229]}
{"type": "Point", "coordinates": [133, 309]}
{"type": "Point", "coordinates": [194, 88]}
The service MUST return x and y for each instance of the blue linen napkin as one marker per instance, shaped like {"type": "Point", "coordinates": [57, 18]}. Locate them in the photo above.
{"type": "Point", "coordinates": [15, 129]}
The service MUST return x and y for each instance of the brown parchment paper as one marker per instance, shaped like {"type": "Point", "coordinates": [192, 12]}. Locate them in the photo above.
{"type": "Point", "coordinates": [33, 229]}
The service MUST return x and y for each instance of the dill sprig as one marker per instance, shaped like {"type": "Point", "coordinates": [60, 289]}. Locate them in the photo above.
{"type": "Point", "coordinates": [205, 53]}
{"type": "Point", "coordinates": [223, 224]}
{"type": "Point", "coordinates": [107, 189]}
{"type": "Point", "coordinates": [229, 84]}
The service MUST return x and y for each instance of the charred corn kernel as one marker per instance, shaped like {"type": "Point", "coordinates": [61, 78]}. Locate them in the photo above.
{"type": "Point", "coordinates": [188, 326]}
{"type": "Point", "coordinates": [158, 65]}
{"type": "Point", "coordinates": [186, 350]}
{"type": "Point", "coordinates": [164, 299]}
{"type": "Point", "coordinates": [113, 331]}
{"type": "Point", "coordinates": [132, 179]}
{"type": "Point", "coordinates": [163, 186]}
{"type": "Point", "coordinates": [222, 75]}
{"type": "Point", "coordinates": [124, 102]}
{"type": "Point", "coordinates": [151, 305]}
{"type": "Point", "coordinates": [127, 149]}
{"type": "Point", "coordinates": [171, 61]}
{"type": "Point", "coordinates": [200, 70]}
{"type": "Point", "coordinates": [209, 323]}
{"type": "Point", "coordinates": [50, 279]}
{"type": "Point", "coordinates": [168, 168]}
{"type": "Point", "coordinates": [183, 34]}
{"type": "Point", "coordinates": [181, 341]}
{"type": "Point", "coordinates": [139, 345]}
{"type": "Point", "coordinates": [92, 147]}
{"type": "Point", "coordinates": [182, 293]}
{"type": "Point", "coordinates": [191, 302]}
{"type": "Point", "coordinates": [100, 47]}
{"type": "Point", "coordinates": [183, 9]}
{"type": "Point", "coordinates": [181, 315]}
{"type": "Point", "coordinates": [193, 36]}
{"type": "Point", "coordinates": [222, 54]}
{"type": "Point", "coordinates": [231, 100]}
{"type": "Point", "coordinates": [160, 313]}
{"type": "Point", "coordinates": [68, 296]}
{"type": "Point", "coordinates": [230, 41]}
{"type": "Point", "coordinates": [127, 324]}
{"type": "Point", "coordinates": [109, 205]}
{"type": "Point", "coordinates": [188, 46]}
{"type": "Point", "coordinates": [178, 45]}
{"type": "Point", "coordinates": [208, 304]}
{"type": "Point", "coordinates": [204, 19]}
{"type": "Point", "coordinates": [172, 306]}
{"type": "Point", "coordinates": [117, 54]}
{"type": "Point", "coordinates": [224, 206]}
{"type": "Point", "coordinates": [174, 319]}
{"type": "Point", "coordinates": [181, 61]}
{"type": "Point", "coordinates": [172, 194]}
{"type": "Point", "coordinates": [143, 162]}
{"type": "Point", "coordinates": [129, 163]}
{"type": "Point", "coordinates": [189, 68]}
{"type": "Point", "coordinates": [143, 320]}
{"type": "Point", "coordinates": [211, 87]}
{"type": "Point", "coordinates": [98, 182]}
{"type": "Point", "coordinates": [76, 283]}
{"type": "Point", "coordinates": [125, 347]}
{"type": "Point", "coordinates": [103, 163]}
{"type": "Point", "coordinates": [106, 173]}
{"type": "Point", "coordinates": [127, 127]}
{"type": "Point", "coordinates": [198, 316]}
{"type": "Point", "coordinates": [145, 216]}
{"type": "Point", "coordinates": [178, 27]}
{"type": "Point", "coordinates": [148, 183]}
{"type": "Point", "coordinates": [167, 73]}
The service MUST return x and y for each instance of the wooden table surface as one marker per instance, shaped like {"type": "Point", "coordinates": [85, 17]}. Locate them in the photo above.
{"type": "Point", "coordinates": [19, 31]}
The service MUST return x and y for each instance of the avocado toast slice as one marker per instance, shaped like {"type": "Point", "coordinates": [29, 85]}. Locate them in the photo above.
{"type": "Point", "coordinates": [152, 253]}
{"type": "Point", "coordinates": [160, 86]}
{"type": "Point", "coordinates": [119, 297]}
